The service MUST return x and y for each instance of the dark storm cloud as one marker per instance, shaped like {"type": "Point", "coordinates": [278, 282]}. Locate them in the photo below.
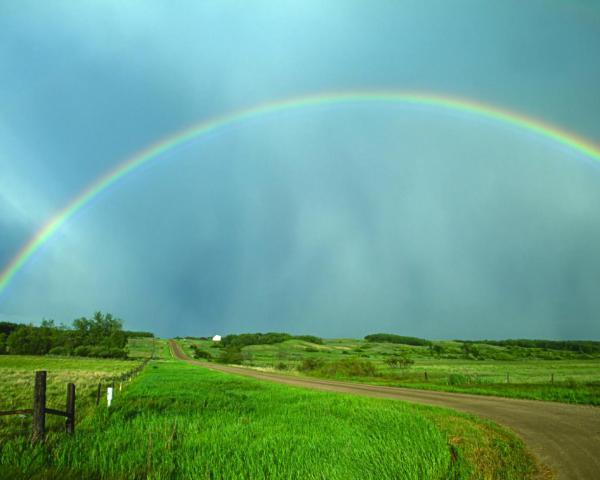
{"type": "Point", "coordinates": [335, 221]}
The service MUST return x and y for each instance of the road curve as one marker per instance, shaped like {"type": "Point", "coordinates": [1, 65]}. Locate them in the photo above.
{"type": "Point", "coordinates": [565, 438]}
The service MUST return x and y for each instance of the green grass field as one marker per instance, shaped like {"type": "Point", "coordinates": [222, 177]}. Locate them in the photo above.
{"type": "Point", "coordinates": [513, 372]}
{"type": "Point", "coordinates": [177, 421]}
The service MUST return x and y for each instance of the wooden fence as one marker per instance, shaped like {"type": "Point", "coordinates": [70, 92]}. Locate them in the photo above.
{"type": "Point", "coordinates": [40, 409]}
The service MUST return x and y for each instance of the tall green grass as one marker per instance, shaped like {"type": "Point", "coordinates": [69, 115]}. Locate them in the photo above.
{"type": "Point", "coordinates": [178, 421]}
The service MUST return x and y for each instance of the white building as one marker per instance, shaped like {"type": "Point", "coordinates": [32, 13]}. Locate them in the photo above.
{"type": "Point", "coordinates": [216, 338]}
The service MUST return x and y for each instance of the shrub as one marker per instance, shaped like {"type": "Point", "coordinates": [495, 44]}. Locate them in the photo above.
{"type": "Point", "coordinates": [350, 367]}
{"type": "Point", "coordinates": [59, 351]}
{"type": "Point", "coordinates": [231, 355]}
{"type": "Point", "coordinates": [117, 353]}
{"type": "Point", "coordinates": [281, 366]}
{"type": "Point", "coordinates": [437, 349]}
{"type": "Point", "coordinates": [198, 353]}
{"type": "Point", "coordinates": [82, 351]}
{"type": "Point", "coordinates": [202, 354]}
{"type": "Point", "coordinates": [470, 351]}
{"type": "Point", "coordinates": [309, 364]}
{"type": "Point", "coordinates": [311, 349]}
{"type": "Point", "coordinates": [396, 361]}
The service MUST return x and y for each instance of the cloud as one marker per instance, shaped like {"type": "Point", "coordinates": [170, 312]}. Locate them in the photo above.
{"type": "Point", "coordinates": [334, 221]}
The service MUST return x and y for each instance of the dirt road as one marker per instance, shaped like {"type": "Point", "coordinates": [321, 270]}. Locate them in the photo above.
{"type": "Point", "coordinates": [564, 437]}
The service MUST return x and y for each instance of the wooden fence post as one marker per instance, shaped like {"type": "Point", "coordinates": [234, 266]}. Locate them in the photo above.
{"type": "Point", "coordinates": [39, 407]}
{"type": "Point", "coordinates": [552, 379]}
{"type": "Point", "coordinates": [507, 378]}
{"type": "Point", "coordinates": [98, 394]}
{"type": "Point", "coordinates": [70, 411]}
{"type": "Point", "coordinates": [426, 376]}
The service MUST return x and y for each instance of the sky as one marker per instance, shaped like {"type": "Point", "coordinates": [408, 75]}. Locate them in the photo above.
{"type": "Point", "coordinates": [337, 221]}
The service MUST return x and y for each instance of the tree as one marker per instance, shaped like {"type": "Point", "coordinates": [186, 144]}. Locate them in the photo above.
{"type": "Point", "coordinates": [100, 336]}
{"type": "Point", "coordinates": [25, 340]}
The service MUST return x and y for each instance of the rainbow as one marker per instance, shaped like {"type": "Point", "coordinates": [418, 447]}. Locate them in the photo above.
{"type": "Point", "coordinates": [129, 165]}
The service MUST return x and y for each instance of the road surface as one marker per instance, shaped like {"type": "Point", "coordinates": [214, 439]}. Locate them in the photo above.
{"type": "Point", "coordinates": [565, 438]}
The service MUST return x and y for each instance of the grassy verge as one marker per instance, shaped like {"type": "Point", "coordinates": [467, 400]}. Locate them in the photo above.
{"type": "Point", "coordinates": [179, 421]}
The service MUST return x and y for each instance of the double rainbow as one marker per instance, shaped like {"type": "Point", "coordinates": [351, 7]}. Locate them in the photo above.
{"type": "Point", "coordinates": [128, 166]}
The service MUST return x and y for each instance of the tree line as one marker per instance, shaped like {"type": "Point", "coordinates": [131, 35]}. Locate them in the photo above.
{"type": "Point", "coordinates": [392, 338]}
{"type": "Point", "coordinates": [102, 335]}
{"type": "Point", "coordinates": [578, 346]}
{"type": "Point", "coordinates": [244, 339]}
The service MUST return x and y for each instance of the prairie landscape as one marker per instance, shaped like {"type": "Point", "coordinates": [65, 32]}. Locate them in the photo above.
{"type": "Point", "coordinates": [176, 420]}
{"type": "Point", "coordinates": [179, 421]}
{"type": "Point", "coordinates": [568, 374]}
{"type": "Point", "coordinates": [328, 240]}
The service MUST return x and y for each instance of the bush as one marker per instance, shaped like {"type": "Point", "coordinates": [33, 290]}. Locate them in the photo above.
{"type": "Point", "coordinates": [202, 354]}
{"type": "Point", "coordinates": [437, 349]}
{"type": "Point", "coordinates": [470, 350]}
{"type": "Point", "coordinates": [117, 353]}
{"type": "Point", "coordinates": [198, 353]}
{"type": "Point", "coordinates": [281, 366]}
{"type": "Point", "coordinates": [350, 367]}
{"type": "Point", "coordinates": [396, 361]}
{"type": "Point", "coordinates": [309, 364]}
{"type": "Point", "coordinates": [231, 355]}
{"type": "Point", "coordinates": [82, 351]}
{"type": "Point", "coordinates": [59, 351]}
{"type": "Point", "coordinates": [311, 349]}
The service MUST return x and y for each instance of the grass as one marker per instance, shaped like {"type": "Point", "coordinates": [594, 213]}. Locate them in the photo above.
{"type": "Point", "coordinates": [177, 421]}
{"type": "Point", "coordinates": [16, 388]}
{"type": "Point", "coordinates": [143, 347]}
{"type": "Point", "coordinates": [532, 373]}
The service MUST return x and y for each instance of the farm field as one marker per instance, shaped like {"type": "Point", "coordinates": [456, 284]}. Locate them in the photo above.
{"type": "Point", "coordinates": [512, 372]}
{"type": "Point", "coordinates": [180, 421]}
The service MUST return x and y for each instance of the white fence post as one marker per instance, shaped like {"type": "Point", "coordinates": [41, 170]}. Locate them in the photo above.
{"type": "Point", "coordinates": [109, 393]}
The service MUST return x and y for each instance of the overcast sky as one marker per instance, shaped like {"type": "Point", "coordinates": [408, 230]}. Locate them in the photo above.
{"type": "Point", "coordinates": [335, 221]}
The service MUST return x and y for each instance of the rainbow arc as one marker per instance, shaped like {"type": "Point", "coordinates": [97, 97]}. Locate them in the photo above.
{"type": "Point", "coordinates": [577, 144]}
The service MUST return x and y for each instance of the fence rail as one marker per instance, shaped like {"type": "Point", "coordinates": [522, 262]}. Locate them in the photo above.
{"type": "Point", "coordinates": [17, 412]}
